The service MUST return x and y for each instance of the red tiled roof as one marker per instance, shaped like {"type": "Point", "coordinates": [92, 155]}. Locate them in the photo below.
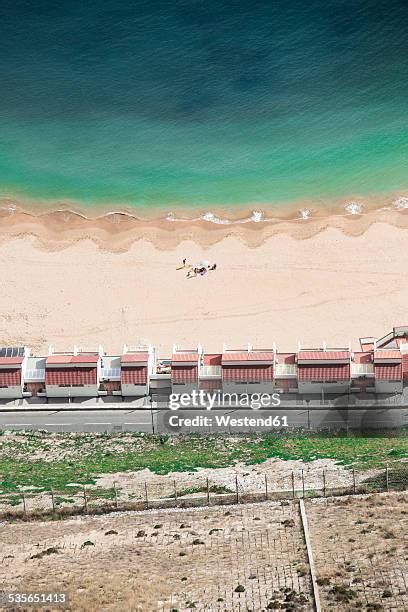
{"type": "Point", "coordinates": [248, 356]}
{"type": "Point", "coordinates": [235, 356]}
{"type": "Point", "coordinates": [133, 375]}
{"type": "Point", "coordinates": [260, 356]}
{"type": "Point", "coordinates": [85, 358]}
{"type": "Point", "coordinates": [388, 371]}
{"type": "Point", "coordinates": [405, 366]}
{"type": "Point", "coordinates": [135, 357]}
{"type": "Point", "coordinates": [323, 355]}
{"type": "Point", "coordinates": [212, 359]}
{"type": "Point", "coordinates": [363, 357]}
{"type": "Point", "coordinates": [392, 354]}
{"type": "Point", "coordinates": [10, 377]}
{"type": "Point", "coordinates": [70, 359]}
{"type": "Point", "coordinates": [246, 373]}
{"type": "Point", "coordinates": [56, 359]}
{"type": "Point", "coordinates": [11, 361]}
{"type": "Point", "coordinates": [184, 357]}
{"type": "Point", "coordinates": [324, 372]}
{"type": "Point", "coordinates": [71, 376]}
{"type": "Point", "coordinates": [184, 374]}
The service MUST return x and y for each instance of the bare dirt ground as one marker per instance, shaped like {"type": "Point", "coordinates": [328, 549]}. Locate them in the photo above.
{"type": "Point", "coordinates": [249, 557]}
{"type": "Point", "coordinates": [360, 551]}
{"type": "Point", "coordinates": [251, 478]}
{"type": "Point", "coordinates": [273, 477]}
{"type": "Point", "coordinates": [235, 558]}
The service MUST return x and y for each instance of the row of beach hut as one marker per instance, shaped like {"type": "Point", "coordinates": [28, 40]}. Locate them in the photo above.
{"type": "Point", "coordinates": [380, 366]}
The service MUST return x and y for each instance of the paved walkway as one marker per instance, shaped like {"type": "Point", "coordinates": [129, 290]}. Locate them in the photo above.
{"type": "Point", "coordinates": [129, 418]}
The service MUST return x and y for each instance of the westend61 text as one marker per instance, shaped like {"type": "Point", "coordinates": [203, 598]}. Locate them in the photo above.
{"type": "Point", "coordinates": [204, 399]}
{"type": "Point", "coordinates": [200, 421]}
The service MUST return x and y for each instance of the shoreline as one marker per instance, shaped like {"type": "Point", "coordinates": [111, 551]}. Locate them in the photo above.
{"type": "Point", "coordinates": [279, 209]}
{"type": "Point", "coordinates": [118, 231]}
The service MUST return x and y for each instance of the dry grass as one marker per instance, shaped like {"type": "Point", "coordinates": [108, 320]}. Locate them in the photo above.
{"type": "Point", "coordinates": [235, 558]}
{"type": "Point", "coordinates": [248, 557]}
{"type": "Point", "coordinates": [360, 551]}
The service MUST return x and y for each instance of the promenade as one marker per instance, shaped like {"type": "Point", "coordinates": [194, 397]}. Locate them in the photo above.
{"type": "Point", "coordinates": [129, 418]}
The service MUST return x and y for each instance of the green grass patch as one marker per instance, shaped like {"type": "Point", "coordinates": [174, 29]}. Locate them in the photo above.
{"type": "Point", "coordinates": [106, 454]}
{"type": "Point", "coordinates": [13, 500]}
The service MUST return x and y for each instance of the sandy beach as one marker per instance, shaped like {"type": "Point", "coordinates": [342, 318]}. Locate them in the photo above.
{"type": "Point", "coordinates": [335, 281]}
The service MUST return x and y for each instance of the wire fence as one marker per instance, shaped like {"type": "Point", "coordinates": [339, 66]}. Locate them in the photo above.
{"type": "Point", "coordinates": [198, 490]}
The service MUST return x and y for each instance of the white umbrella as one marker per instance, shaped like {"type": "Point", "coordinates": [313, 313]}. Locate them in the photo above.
{"type": "Point", "coordinates": [204, 264]}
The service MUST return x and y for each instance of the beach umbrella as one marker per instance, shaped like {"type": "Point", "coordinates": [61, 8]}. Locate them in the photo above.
{"type": "Point", "coordinates": [204, 264]}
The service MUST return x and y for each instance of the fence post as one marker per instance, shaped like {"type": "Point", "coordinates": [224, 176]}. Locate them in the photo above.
{"type": "Point", "coordinates": [303, 485]}
{"type": "Point", "coordinates": [175, 491]}
{"type": "Point", "coordinates": [324, 483]}
{"type": "Point", "coordinates": [52, 500]}
{"type": "Point", "coordinates": [236, 489]}
{"type": "Point", "coordinates": [354, 481]}
{"type": "Point", "coordinates": [266, 487]}
{"type": "Point", "coordinates": [387, 482]}
{"type": "Point", "coordinates": [146, 497]}
{"type": "Point", "coordinates": [293, 485]}
{"type": "Point", "coordinates": [24, 504]}
{"type": "Point", "coordinates": [85, 500]}
{"type": "Point", "coordinates": [208, 492]}
{"type": "Point", "coordinates": [116, 495]}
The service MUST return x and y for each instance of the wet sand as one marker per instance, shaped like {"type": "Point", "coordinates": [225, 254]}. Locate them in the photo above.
{"type": "Point", "coordinates": [118, 231]}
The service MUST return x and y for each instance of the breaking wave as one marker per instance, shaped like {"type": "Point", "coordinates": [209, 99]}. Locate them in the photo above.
{"type": "Point", "coordinates": [354, 208]}
{"type": "Point", "coordinates": [401, 203]}
{"type": "Point", "coordinates": [11, 207]}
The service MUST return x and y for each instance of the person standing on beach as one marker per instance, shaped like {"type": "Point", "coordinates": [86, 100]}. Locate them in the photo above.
{"type": "Point", "coordinates": [184, 263]}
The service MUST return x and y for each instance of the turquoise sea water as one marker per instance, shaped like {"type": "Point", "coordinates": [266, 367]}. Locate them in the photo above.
{"type": "Point", "coordinates": [194, 103]}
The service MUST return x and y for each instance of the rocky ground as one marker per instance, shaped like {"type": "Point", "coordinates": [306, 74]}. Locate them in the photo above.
{"type": "Point", "coordinates": [238, 558]}
{"type": "Point", "coordinates": [360, 551]}
{"type": "Point", "coordinates": [249, 557]}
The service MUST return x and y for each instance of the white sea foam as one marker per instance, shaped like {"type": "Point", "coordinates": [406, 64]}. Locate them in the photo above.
{"type": "Point", "coordinates": [354, 208]}
{"type": "Point", "coordinates": [211, 218]}
{"type": "Point", "coordinates": [401, 203]}
{"type": "Point", "coordinates": [305, 213]}
{"type": "Point", "coordinates": [257, 216]}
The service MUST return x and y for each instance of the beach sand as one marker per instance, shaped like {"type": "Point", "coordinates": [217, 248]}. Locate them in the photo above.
{"type": "Point", "coordinates": [304, 282]}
